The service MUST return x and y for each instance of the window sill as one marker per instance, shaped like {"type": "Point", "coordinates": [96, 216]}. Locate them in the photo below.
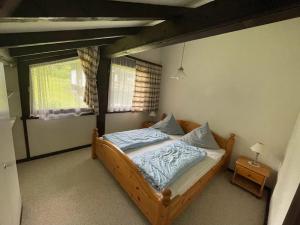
{"type": "Point", "coordinates": [36, 118]}
{"type": "Point", "coordinates": [120, 112]}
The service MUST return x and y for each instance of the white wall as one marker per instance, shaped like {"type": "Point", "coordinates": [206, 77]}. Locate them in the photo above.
{"type": "Point", "coordinates": [151, 55]}
{"type": "Point", "coordinates": [53, 135]}
{"type": "Point", "coordinates": [4, 54]}
{"type": "Point", "coordinates": [288, 180]}
{"type": "Point", "coordinates": [124, 121]}
{"type": "Point", "coordinates": [246, 82]}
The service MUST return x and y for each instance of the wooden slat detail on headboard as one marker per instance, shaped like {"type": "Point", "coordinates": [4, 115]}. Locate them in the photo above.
{"type": "Point", "coordinates": [187, 126]}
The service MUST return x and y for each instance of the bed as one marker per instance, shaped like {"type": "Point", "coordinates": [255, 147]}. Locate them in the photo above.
{"type": "Point", "coordinates": [161, 207]}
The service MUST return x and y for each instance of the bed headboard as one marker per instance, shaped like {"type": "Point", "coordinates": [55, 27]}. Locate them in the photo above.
{"type": "Point", "coordinates": [225, 143]}
{"type": "Point", "coordinates": [188, 126]}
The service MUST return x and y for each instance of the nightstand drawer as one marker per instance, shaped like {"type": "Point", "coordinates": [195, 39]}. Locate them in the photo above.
{"type": "Point", "coordinates": [257, 178]}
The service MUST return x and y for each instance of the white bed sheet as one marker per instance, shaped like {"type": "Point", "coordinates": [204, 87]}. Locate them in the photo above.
{"type": "Point", "coordinates": [190, 177]}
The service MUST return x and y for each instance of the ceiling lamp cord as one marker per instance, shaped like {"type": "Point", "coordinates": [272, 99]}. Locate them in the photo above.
{"type": "Point", "coordinates": [180, 74]}
{"type": "Point", "coordinates": [182, 55]}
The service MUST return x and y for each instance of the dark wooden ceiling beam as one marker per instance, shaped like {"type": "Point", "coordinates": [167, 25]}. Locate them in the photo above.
{"type": "Point", "coordinates": [95, 8]}
{"type": "Point", "coordinates": [34, 38]}
{"type": "Point", "coordinates": [38, 49]}
{"type": "Point", "coordinates": [214, 18]}
{"type": "Point", "coordinates": [49, 55]}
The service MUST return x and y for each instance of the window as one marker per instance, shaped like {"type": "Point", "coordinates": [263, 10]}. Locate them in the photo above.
{"type": "Point", "coordinates": [57, 89]}
{"type": "Point", "coordinates": [134, 85]}
{"type": "Point", "coordinates": [122, 84]}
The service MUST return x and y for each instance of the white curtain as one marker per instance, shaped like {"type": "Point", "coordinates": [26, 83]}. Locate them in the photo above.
{"type": "Point", "coordinates": [57, 89]}
{"type": "Point", "coordinates": [122, 82]}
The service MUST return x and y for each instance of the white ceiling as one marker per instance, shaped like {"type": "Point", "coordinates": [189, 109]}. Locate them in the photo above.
{"type": "Point", "coordinates": [34, 25]}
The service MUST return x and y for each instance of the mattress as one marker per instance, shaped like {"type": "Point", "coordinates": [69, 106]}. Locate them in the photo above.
{"type": "Point", "coordinates": [190, 177]}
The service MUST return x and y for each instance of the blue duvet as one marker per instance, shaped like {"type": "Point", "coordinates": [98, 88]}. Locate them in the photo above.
{"type": "Point", "coordinates": [163, 166]}
{"type": "Point", "coordinates": [136, 138]}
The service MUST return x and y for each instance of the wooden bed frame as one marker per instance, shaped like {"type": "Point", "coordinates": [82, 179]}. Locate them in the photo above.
{"type": "Point", "coordinates": [158, 207]}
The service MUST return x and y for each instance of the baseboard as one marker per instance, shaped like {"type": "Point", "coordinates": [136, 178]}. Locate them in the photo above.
{"type": "Point", "coordinates": [21, 214]}
{"type": "Point", "coordinates": [269, 193]}
{"type": "Point", "coordinates": [53, 153]}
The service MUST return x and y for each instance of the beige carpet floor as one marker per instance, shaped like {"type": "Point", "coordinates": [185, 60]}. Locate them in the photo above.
{"type": "Point", "coordinates": [73, 189]}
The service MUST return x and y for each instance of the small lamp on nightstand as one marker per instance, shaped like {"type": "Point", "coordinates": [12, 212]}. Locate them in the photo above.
{"type": "Point", "coordinates": [148, 124]}
{"type": "Point", "coordinates": [152, 114]}
{"type": "Point", "coordinates": [258, 149]}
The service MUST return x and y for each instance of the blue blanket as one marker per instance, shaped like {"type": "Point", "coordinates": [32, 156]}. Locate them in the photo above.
{"type": "Point", "coordinates": [136, 138]}
{"type": "Point", "coordinates": [163, 166]}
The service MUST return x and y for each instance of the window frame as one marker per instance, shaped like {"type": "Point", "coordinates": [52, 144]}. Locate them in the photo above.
{"type": "Point", "coordinates": [24, 80]}
{"type": "Point", "coordinates": [66, 60]}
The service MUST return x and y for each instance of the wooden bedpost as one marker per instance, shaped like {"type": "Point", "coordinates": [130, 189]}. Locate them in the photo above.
{"type": "Point", "coordinates": [229, 148]}
{"type": "Point", "coordinates": [164, 115]}
{"type": "Point", "coordinates": [94, 139]}
{"type": "Point", "coordinates": [166, 199]}
{"type": "Point", "coordinates": [163, 211]}
{"type": "Point", "coordinates": [230, 142]}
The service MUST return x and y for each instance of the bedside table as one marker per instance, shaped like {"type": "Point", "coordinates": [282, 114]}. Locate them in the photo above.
{"type": "Point", "coordinates": [249, 177]}
{"type": "Point", "coordinates": [147, 124]}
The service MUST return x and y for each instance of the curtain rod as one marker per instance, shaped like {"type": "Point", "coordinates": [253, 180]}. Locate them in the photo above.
{"type": "Point", "coordinates": [145, 61]}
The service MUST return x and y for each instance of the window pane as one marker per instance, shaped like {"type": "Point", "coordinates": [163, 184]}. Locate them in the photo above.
{"type": "Point", "coordinates": [122, 83]}
{"type": "Point", "coordinates": [57, 85]}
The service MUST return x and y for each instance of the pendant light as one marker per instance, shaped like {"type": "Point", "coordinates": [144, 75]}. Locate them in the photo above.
{"type": "Point", "coordinates": [180, 74]}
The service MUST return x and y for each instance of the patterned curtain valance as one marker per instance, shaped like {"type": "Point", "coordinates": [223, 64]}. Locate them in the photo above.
{"type": "Point", "coordinates": [90, 57]}
{"type": "Point", "coordinates": [147, 87]}
{"type": "Point", "coordinates": [124, 61]}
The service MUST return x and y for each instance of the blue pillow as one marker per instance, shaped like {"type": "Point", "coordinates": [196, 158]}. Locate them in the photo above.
{"type": "Point", "coordinates": [201, 137]}
{"type": "Point", "coordinates": [169, 126]}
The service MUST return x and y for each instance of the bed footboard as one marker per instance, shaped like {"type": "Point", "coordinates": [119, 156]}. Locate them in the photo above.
{"type": "Point", "coordinates": [153, 204]}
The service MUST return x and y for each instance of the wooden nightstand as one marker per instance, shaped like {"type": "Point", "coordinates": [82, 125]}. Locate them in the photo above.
{"type": "Point", "coordinates": [147, 124]}
{"type": "Point", "coordinates": [249, 177]}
